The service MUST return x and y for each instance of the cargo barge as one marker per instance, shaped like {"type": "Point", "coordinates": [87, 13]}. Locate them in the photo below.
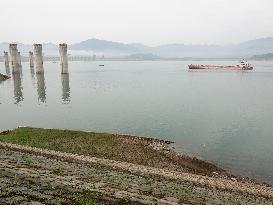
{"type": "Point", "coordinates": [244, 65]}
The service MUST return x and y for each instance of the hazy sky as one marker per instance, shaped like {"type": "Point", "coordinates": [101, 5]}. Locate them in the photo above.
{"type": "Point", "coordinates": [150, 22]}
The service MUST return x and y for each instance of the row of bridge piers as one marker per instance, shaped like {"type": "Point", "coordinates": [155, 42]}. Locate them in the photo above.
{"type": "Point", "coordinates": [35, 58]}
{"type": "Point", "coordinates": [12, 61]}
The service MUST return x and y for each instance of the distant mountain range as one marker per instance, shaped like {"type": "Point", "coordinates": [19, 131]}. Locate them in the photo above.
{"type": "Point", "coordinates": [267, 56]}
{"type": "Point", "coordinates": [109, 48]}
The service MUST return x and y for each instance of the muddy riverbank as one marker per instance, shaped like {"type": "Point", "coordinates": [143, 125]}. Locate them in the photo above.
{"type": "Point", "coordinates": [3, 77]}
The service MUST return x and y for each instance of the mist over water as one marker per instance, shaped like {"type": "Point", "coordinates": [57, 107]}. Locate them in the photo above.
{"type": "Point", "coordinates": [224, 117]}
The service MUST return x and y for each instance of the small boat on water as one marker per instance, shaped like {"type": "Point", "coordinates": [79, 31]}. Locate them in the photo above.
{"type": "Point", "coordinates": [101, 65]}
{"type": "Point", "coordinates": [244, 65]}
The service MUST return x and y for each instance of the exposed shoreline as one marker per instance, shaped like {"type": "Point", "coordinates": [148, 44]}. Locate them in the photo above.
{"type": "Point", "coordinates": [157, 149]}
{"type": "Point", "coordinates": [3, 77]}
{"type": "Point", "coordinates": [183, 169]}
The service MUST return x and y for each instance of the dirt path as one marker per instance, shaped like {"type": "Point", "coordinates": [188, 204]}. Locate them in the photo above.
{"type": "Point", "coordinates": [41, 174]}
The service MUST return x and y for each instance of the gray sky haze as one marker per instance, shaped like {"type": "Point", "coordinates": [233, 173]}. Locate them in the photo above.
{"type": "Point", "coordinates": [152, 22]}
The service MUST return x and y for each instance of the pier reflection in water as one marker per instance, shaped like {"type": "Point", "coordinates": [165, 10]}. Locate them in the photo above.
{"type": "Point", "coordinates": [32, 74]}
{"type": "Point", "coordinates": [18, 89]}
{"type": "Point", "coordinates": [8, 70]}
{"type": "Point", "coordinates": [41, 87]}
{"type": "Point", "coordinates": [65, 88]}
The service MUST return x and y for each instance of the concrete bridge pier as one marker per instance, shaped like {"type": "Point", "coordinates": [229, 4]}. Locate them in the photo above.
{"type": "Point", "coordinates": [19, 59]}
{"type": "Point", "coordinates": [38, 58]}
{"type": "Point", "coordinates": [31, 62]}
{"type": "Point", "coordinates": [13, 58]}
{"type": "Point", "coordinates": [63, 58]}
{"type": "Point", "coordinates": [6, 59]}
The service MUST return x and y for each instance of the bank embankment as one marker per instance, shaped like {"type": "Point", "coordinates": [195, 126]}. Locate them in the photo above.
{"type": "Point", "coordinates": [126, 148]}
{"type": "Point", "coordinates": [73, 167]}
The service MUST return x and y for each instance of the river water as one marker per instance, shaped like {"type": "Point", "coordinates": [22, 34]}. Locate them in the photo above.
{"type": "Point", "coordinates": [224, 117]}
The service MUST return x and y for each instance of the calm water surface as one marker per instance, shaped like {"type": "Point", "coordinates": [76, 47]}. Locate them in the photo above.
{"type": "Point", "coordinates": [224, 117]}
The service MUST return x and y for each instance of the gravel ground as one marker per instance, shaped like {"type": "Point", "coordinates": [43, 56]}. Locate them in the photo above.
{"type": "Point", "coordinates": [36, 176]}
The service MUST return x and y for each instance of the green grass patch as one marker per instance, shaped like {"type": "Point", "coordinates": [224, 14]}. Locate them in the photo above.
{"type": "Point", "coordinates": [103, 145]}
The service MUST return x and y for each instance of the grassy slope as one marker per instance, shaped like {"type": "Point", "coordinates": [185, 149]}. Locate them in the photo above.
{"type": "Point", "coordinates": [111, 146]}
